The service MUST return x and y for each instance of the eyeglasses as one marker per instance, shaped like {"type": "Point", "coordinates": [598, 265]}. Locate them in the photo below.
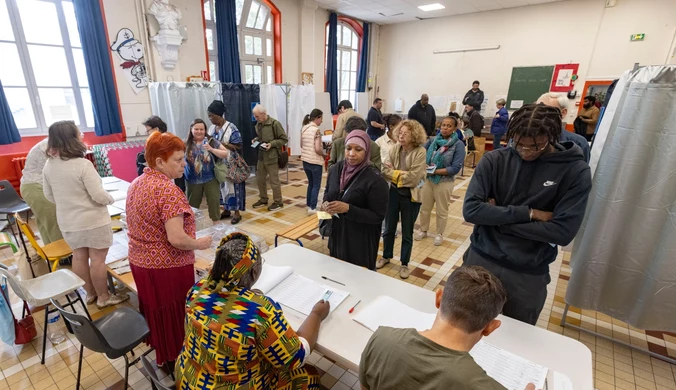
{"type": "Point", "coordinates": [537, 148]}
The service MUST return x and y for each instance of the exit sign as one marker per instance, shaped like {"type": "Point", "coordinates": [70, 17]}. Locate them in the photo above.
{"type": "Point", "coordinates": [637, 37]}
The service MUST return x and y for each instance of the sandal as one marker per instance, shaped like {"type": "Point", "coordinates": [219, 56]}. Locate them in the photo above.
{"type": "Point", "coordinates": [91, 299]}
{"type": "Point", "coordinates": [236, 220]}
{"type": "Point", "coordinates": [114, 299]}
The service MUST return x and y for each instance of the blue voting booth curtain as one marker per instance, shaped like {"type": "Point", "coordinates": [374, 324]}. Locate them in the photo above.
{"type": "Point", "coordinates": [362, 72]}
{"type": "Point", "coordinates": [9, 133]}
{"type": "Point", "coordinates": [99, 69]}
{"type": "Point", "coordinates": [332, 63]}
{"type": "Point", "coordinates": [226, 37]}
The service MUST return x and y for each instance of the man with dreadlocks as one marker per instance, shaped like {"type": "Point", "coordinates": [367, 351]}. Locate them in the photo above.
{"type": "Point", "coordinates": [524, 201]}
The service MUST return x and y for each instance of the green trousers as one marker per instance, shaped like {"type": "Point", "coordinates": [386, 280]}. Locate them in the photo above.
{"type": "Point", "coordinates": [213, 192]}
{"type": "Point", "coordinates": [44, 211]}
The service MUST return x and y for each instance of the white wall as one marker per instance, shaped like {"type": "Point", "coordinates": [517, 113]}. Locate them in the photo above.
{"type": "Point", "coordinates": [576, 31]}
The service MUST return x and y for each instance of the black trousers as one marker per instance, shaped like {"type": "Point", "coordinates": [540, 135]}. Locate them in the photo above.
{"type": "Point", "coordinates": [526, 294]}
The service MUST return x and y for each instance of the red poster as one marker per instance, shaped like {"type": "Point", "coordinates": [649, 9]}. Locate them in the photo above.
{"type": "Point", "coordinates": [563, 77]}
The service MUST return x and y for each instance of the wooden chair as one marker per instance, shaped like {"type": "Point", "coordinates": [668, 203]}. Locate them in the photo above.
{"type": "Point", "coordinates": [480, 144]}
{"type": "Point", "coordinates": [52, 252]}
{"type": "Point", "coordinates": [298, 230]}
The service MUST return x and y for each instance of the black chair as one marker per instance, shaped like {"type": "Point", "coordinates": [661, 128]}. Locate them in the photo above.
{"type": "Point", "coordinates": [10, 203]}
{"type": "Point", "coordinates": [114, 334]}
{"type": "Point", "coordinates": [152, 376]}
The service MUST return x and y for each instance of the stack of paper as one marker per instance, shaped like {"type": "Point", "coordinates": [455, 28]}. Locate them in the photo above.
{"type": "Point", "coordinates": [387, 311]}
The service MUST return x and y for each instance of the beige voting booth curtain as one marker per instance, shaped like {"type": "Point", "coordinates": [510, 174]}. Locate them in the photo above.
{"type": "Point", "coordinates": [624, 258]}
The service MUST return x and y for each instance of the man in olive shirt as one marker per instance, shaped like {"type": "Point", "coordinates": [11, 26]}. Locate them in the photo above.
{"type": "Point", "coordinates": [338, 145]}
{"type": "Point", "coordinates": [439, 358]}
{"type": "Point", "coordinates": [271, 135]}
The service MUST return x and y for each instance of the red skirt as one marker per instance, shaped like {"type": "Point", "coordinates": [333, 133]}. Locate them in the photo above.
{"type": "Point", "coordinates": [161, 296]}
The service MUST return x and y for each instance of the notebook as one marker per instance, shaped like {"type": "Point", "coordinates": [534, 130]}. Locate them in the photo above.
{"type": "Point", "coordinates": [295, 291]}
{"type": "Point", "coordinates": [510, 370]}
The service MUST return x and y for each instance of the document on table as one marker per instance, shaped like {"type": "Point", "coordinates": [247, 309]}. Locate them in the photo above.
{"type": "Point", "coordinates": [387, 311]}
{"type": "Point", "coordinates": [301, 294]}
{"type": "Point", "coordinates": [510, 370]}
{"type": "Point", "coordinates": [271, 277]}
{"type": "Point", "coordinates": [118, 195]}
{"type": "Point", "coordinates": [109, 180]}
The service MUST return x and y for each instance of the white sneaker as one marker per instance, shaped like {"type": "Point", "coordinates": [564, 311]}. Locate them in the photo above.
{"type": "Point", "coordinates": [404, 272]}
{"type": "Point", "coordinates": [438, 240]}
{"type": "Point", "coordinates": [420, 235]}
{"type": "Point", "coordinates": [381, 262]}
{"type": "Point", "coordinates": [311, 211]}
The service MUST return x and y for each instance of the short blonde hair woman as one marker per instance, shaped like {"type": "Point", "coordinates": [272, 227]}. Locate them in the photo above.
{"type": "Point", "coordinates": [405, 171]}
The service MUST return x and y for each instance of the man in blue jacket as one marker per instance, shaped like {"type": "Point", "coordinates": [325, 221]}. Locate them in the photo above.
{"type": "Point", "coordinates": [525, 201]}
{"type": "Point", "coordinates": [499, 124]}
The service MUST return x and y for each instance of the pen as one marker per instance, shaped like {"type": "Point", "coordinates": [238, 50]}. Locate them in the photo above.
{"type": "Point", "coordinates": [334, 281]}
{"type": "Point", "coordinates": [355, 305]}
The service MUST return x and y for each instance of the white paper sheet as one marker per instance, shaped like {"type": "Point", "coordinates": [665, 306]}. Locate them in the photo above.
{"type": "Point", "coordinates": [301, 294]}
{"type": "Point", "coordinates": [271, 277]}
{"type": "Point", "coordinates": [109, 180]}
{"type": "Point", "coordinates": [118, 195]}
{"type": "Point", "coordinates": [511, 371]}
{"type": "Point", "coordinates": [562, 382]}
{"type": "Point", "coordinates": [387, 311]}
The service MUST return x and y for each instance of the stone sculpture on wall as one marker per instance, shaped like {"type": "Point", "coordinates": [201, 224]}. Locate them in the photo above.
{"type": "Point", "coordinates": [169, 38]}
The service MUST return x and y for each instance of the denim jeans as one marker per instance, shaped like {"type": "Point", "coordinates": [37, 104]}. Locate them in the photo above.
{"type": "Point", "coordinates": [496, 141]}
{"type": "Point", "coordinates": [314, 181]}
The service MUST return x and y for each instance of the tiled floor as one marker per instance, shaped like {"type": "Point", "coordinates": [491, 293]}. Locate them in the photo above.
{"type": "Point", "coordinates": [615, 366]}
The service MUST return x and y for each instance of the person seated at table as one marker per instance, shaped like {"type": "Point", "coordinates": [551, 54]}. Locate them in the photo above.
{"type": "Point", "coordinates": [356, 194]}
{"type": "Point", "coordinates": [236, 337]}
{"type": "Point", "coordinates": [439, 358]}
{"type": "Point", "coordinates": [338, 145]}
{"type": "Point", "coordinates": [200, 169]}
{"type": "Point", "coordinates": [161, 232]}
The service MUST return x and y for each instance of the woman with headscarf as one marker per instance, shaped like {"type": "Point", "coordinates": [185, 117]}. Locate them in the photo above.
{"type": "Point", "coordinates": [356, 197]}
{"type": "Point", "coordinates": [236, 337]}
{"type": "Point", "coordinates": [233, 196]}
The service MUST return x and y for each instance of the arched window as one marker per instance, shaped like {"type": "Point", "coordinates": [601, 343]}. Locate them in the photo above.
{"type": "Point", "coordinates": [255, 23]}
{"type": "Point", "coordinates": [349, 42]}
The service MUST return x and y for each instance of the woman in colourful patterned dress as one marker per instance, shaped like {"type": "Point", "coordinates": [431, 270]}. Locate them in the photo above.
{"type": "Point", "coordinates": [236, 338]}
{"type": "Point", "coordinates": [161, 231]}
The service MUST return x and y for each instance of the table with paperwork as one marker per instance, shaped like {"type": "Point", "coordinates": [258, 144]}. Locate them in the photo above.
{"type": "Point", "coordinates": [343, 340]}
{"type": "Point", "coordinates": [117, 188]}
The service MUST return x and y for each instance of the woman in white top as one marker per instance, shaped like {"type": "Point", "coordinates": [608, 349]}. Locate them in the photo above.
{"type": "Point", "coordinates": [72, 183]}
{"type": "Point", "coordinates": [312, 155]}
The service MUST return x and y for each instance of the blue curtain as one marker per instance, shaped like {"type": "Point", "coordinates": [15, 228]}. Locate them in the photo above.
{"type": "Point", "coordinates": [9, 133]}
{"type": "Point", "coordinates": [99, 69]}
{"type": "Point", "coordinates": [332, 63]}
{"type": "Point", "coordinates": [363, 71]}
{"type": "Point", "coordinates": [228, 48]}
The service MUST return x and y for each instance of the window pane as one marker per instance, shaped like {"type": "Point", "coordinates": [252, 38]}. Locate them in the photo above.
{"type": "Point", "coordinates": [6, 33]}
{"type": "Point", "coordinates": [11, 71]}
{"type": "Point", "coordinates": [268, 27]}
{"type": "Point", "coordinates": [338, 59]}
{"type": "Point", "coordinates": [253, 11]}
{"type": "Point", "coordinates": [258, 46]}
{"type": "Point", "coordinates": [58, 104]}
{"type": "Point", "coordinates": [71, 23]}
{"type": "Point", "coordinates": [339, 33]}
{"type": "Point", "coordinates": [260, 20]}
{"type": "Point", "coordinates": [345, 61]}
{"type": "Point", "coordinates": [257, 74]}
{"type": "Point", "coordinates": [207, 10]}
{"type": "Point", "coordinates": [249, 74]}
{"type": "Point", "coordinates": [268, 47]}
{"type": "Point", "coordinates": [353, 81]}
{"type": "Point", "coordinates": [88, 108]}
{"type": "Point", "coordinates": [239, 5]}
{"type": "Point", "coordinates": [210, 39]}
{"type": "Point", "coordinates": [327, 34]}
{"type": "Point", "coordinates": [248, 44]}
{"type": "Point", "coordinates": [40, 22]}
{"type": "Point", "coordinates": [50, 66]}
{"type": "Point", "coordinates": [345, 95]}
{"type": "Point", "coordinates": [80, 68]}
{"type": "Point", "coordinates": [212, 71]}
{"type": "Point", "coordinates": [270, 78]}
{"type": "Point", "coordinates": [347, 36]}
{"type": "Point", "coordinates": [353, 64]}
{"type": "Point", "coordinates": [345, 80]}
{"type": "Point", "coordinates": [355, 41]}
{"type": "Point", "coordinates": [20, 105]}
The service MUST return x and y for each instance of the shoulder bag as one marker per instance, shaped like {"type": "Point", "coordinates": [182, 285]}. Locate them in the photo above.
{"type": "Point", "coordinates": [283, 156]}
{"type": "Point", "coordinates": [24, 329]}
{"type": "Point", "coordinates": [220, 170]}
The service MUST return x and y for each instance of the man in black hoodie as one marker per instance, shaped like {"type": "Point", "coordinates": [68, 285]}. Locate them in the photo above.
{"type": "Point", "coordinates": [524, 201]}
{"type": "Point", "coordinates": [424, 113]}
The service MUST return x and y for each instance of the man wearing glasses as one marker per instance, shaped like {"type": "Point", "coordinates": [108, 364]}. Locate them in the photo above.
{"type": "Point", "coordinates": [525, 201]}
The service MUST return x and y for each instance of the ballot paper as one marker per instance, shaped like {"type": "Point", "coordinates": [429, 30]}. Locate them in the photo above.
{"type": "Point", "coordinates": [323, 215]}
{"type": "Point", "coordinates": [295, 291]}
{"type": "Point", "coordinates": [109, 180]}
{"type": "Point", "coordinates": [510, 370]}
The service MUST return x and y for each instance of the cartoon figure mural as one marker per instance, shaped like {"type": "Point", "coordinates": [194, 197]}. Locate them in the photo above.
{"type": "Point", "coordinates": [130, 51]}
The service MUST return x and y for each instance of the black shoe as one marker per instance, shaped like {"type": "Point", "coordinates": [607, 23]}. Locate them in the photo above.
{"type": "Point", "coordinates": [275, 206]}
{"type": "Point", "coordinates": [259, 204]}
{"type": "Point", "coordinates": [226, 214]}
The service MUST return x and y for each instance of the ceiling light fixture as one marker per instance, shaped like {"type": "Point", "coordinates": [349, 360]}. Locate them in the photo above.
{"type": "Point", "coordinates": [431, 7]}
{"type": "Point", "coordinates": [496, 47]}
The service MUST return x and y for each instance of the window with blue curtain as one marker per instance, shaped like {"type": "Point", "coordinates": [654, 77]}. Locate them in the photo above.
{"type": "Point", "coordinates": [332, 61]}
{"type": "Point", "coordinates": [9, 133]}
{"type": "Point", "coordinates": [362, 73]}
{"type": "Point", "coordinates": [44, 73]}
{"type": "Point", "coordinates": [348, 60]}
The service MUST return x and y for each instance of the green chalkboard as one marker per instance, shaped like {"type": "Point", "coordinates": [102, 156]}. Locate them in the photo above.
{"type": "Point", "coordinates": [528, 83]}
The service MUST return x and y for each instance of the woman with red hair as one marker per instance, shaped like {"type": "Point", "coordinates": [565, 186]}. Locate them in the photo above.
{"type": "Point", "coordinates": [161, 230]}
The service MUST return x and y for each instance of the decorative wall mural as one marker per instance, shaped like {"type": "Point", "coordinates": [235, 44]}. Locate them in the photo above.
{"type": "Point", "coordinates": [130, 51]}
